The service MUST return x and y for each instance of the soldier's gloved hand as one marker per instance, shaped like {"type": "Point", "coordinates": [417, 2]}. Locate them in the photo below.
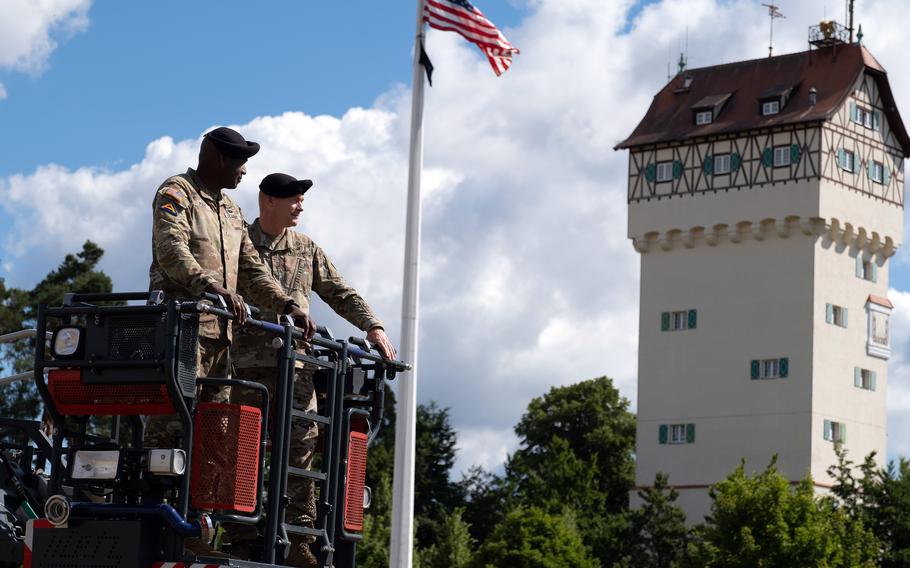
{"type": "Point", "coordinates": [303, 321]}
{"type": "Point", "coordinates": [377, 337]}
{"type": "Point", "coordinates": [233, 300]}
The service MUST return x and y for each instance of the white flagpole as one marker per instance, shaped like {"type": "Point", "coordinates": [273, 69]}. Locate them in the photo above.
{"type": "Point", "coordinates": [402, 545]}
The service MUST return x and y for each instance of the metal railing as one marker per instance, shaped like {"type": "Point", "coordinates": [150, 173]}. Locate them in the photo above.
{"type": "Point", "coordinates": [16, 336]}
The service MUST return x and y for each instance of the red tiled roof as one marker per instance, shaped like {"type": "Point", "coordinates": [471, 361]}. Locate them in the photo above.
{"type": "Point", "coordinates": [832, 71]}
{"type": "Point", "coordinates": [873, 299]}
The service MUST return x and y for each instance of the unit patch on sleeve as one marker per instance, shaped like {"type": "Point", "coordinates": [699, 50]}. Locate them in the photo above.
{"type": "Point", "coordinates": [170, 208]}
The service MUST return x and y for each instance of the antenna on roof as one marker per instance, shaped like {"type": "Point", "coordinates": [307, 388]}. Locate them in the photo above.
{"type": "Point", "coordinates": [850, 19]}
{"type": "Point", "coordinates": [774, 13]}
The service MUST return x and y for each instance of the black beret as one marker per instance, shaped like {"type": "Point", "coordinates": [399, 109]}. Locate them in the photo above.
{"type": "Point", "coordinates": [231, 144]}
{"type": "Point", "coordinates": [283, 185]}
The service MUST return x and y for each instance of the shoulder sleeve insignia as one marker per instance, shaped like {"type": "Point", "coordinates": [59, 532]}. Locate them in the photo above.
{"type": "Point", "coordinates": [169, 208]}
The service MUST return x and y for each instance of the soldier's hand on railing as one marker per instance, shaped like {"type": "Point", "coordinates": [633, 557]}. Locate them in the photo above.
{"type": "Point", "coordinates": [233, 300]}
{"type": "Point", "coordinates": [377, 337]}
{"type": "Point", "coordinates": [303, 321]}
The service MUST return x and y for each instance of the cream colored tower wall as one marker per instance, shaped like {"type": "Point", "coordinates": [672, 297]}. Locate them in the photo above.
{"type": "Point", "coordinates": [753, 300]}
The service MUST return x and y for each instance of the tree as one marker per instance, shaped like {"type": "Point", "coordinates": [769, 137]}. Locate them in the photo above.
{"type": "Point", "coordinates": [453, 546]}
{"type": "Point", "coordinates": [658, 530]}
{"type": "Point", "coordinates": [880, 500]}
{"type": "Point", "coordinates": [532, 538]}
{"type": "Point", "coordinates": [18, 309]}
{"type": "Point", "coordinates": [762, 520]}
{"type": "Point", "coordinates": [576, 456]}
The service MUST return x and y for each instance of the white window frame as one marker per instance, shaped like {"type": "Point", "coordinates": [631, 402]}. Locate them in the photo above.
{"type": "Point", "coordinates": [837, 316]}
{"type": "Point", "coordinates": [770, 107]}
{"type": "Point", "coordinates": [664, 171]}
{"type": "Point", "coordinates": [874, 344]}
{"type": "Point", "coordinates": [781, 156]}
{"type": "Point", "coordinates": [769, 368]}
{"type": "Point", "coordinates": [865, 379]}
{"type": "Point", "coordinates": [878, 172]}
{"type": "Point", "coordinates": [863, 116]}
{"type": "Point", "coordinates": [676, 434]}
{"type": "Point", "coordinates": [837, 435]}
{"type": "Point", "coordinates": [679, 320]}
{"type": "Point", "coordinates": [721, 164]}
{"type": "Point", "coordinates": [868, 270]}
{"type": "Point", "coordinates": [704, 117]}
{"type": "Point", "coordinates": [849, 157]}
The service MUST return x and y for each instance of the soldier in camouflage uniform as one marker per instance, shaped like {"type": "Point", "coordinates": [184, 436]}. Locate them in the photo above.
{"type": "Point", "coordinates": [200, 243]}
{"type": "Point", "coordinates": [300, 266]}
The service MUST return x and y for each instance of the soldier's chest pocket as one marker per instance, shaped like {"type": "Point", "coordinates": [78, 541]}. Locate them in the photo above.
{"type": "Point", "coordinates": [293, 271]}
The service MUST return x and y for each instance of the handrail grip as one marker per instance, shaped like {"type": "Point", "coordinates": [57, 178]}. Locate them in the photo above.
{"type": "Point", "coordinates": [21, 334]}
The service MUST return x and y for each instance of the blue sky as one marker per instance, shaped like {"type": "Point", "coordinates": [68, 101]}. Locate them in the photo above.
{"type": "Point", "coordinates": [526, 263]}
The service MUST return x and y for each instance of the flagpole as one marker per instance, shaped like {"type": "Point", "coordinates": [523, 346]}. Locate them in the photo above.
{"type": "Point", "coordinates": [402, 545]}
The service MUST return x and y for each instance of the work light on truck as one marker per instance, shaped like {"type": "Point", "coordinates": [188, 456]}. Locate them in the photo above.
{"type": "Point", "coordinates": [67, 343]}
{"type": "Point", "coordinates": [94, 464]}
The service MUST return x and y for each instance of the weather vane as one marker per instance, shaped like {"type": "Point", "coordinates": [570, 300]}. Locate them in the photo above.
{"type": "Point", "coordinates": [773, 13]}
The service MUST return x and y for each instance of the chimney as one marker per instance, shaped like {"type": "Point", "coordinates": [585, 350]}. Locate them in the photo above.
{"type": "Point", "coordinates": [813, 96]}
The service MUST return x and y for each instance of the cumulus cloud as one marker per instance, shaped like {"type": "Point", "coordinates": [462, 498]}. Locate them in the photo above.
{"type": "Point", "coordinates": [29, 30]}
{"type": "Point", "coordinates": [528, 280]}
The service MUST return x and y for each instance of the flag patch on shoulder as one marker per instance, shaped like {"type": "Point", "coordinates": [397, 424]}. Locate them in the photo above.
{"type": "Point", "coordinates": [170, 208]}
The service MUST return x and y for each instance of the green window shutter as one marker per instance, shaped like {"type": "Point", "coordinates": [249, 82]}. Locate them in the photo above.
{"type": "Point", "coordinates": [735, 161]}
{"type": "Point", "coordinates": [664, 321]}
{"type": "Point", "coordinates": [853, 112]}
{"type": "Point", "coordinates": [662, 434]}
{"type": "Point", "coordinates": [827, 429]}
{"type": "Point", "coordinates": [651, 172]}
{"type": "Point", "coordinates": [886, 175]}
{"type": "Point", "coordinates": [872, 383]}
{"type": "Point", "coordinates": [754, 368]}
{"type": "Point", "coordinates": [859, 265]}
{"type": "Point", "coordinates": [783, 367]}
{"type": "Point", "coordinates": [677, 169]}
{"type": "Point", "coordinates": [767, 157]}
{"type": "Point", "coordinates": [874, 270]}
{"type": "Point", "coordinates": [857, 377]}
{"type": "Point", "coordinates": [843, 433]}
{"type": "Point", "coordinates": [846, 312]}
{"type": "Point", "coordinates": [690, 433]}
{"type": "Point", "coordinates": [795, 152]}
{"type": "Point", "coordinates": [693, 319]}
{"type": "Point", "coordinates": [869, 169]}
{"type": "Point", "coordinates": [841, 157]}
{"type": "Point", "coordinates": [876, 120]}
{"type": "Point", "coordinates": [708, 165]}
{"type": "Point", "coordinates": [829, 313]}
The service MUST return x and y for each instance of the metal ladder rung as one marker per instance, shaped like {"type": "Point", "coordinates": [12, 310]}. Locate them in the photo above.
{"type": "Point", "coordinates": [300, 472]}
{"type": "Point", "coordinates": [297, 529]}
{"type": "Point", "coordinates": [312, 417]}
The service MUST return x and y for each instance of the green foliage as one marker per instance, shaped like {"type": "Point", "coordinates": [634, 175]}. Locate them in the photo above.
{"type": "Point", "coordinates": [18, 308]}
{"type": "Point", "coordinates": [880, 500]}
{"type": "Point", "coordinates": [532, 538]}
{"type": "Point", "coordinates": [761, 520]}
{"type": "Point", "coordinates": [576, 455]}
{"type": "Point", "coordinates": [434, 495]}
{"type": "Point", "coordinates": [373, 550]}
{"type": "Point", "coordinates": [658, 532]}
{"type": "Point", "coordinates": [453, 546]}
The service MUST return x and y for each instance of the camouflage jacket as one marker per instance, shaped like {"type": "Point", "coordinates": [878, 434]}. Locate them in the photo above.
{"type": "Point", "coordinates": [199, 238]}
{"type": "Point", "coordinates": [300, 266]}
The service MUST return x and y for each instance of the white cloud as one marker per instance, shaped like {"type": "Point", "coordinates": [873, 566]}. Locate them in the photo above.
{"type": "Point", "coordinates": [528, 279]}
{"type": "Point", "coordinates": [28, 30]}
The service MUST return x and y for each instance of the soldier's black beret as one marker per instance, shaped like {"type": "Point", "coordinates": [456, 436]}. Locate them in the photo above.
{"type": "Point", "coordinates": [283, 185]}
{"type": "Point", "coordinates": [231, 143]}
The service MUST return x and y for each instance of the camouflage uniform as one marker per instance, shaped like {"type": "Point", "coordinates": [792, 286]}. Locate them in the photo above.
{"type": "Point", "coordinates": [199, 238]}
{"type": "Point", "coordinates": [300, 266]}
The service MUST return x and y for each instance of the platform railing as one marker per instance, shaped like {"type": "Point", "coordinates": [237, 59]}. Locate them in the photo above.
{"type": "Point", "coordinates": [16, 336]}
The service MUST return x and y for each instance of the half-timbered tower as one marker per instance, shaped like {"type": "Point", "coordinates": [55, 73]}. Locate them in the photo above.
{"type": "Point", "coordinates": [765, 199]}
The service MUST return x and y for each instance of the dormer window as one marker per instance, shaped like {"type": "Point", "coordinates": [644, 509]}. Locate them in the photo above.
{"type": "Point", "coordinates": [770, 107]}
{"type": "Point", "coordinates": [709, 108]}
{"type": "Point", "coordinates": [704, 117]}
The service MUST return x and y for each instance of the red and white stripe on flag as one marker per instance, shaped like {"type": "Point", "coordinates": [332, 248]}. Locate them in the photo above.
{"type": "Point", "coordinates": [464, 18]}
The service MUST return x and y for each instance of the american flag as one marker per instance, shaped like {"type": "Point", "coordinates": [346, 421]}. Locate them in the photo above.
{"type": "Point", "coordinates": [464, 18]}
